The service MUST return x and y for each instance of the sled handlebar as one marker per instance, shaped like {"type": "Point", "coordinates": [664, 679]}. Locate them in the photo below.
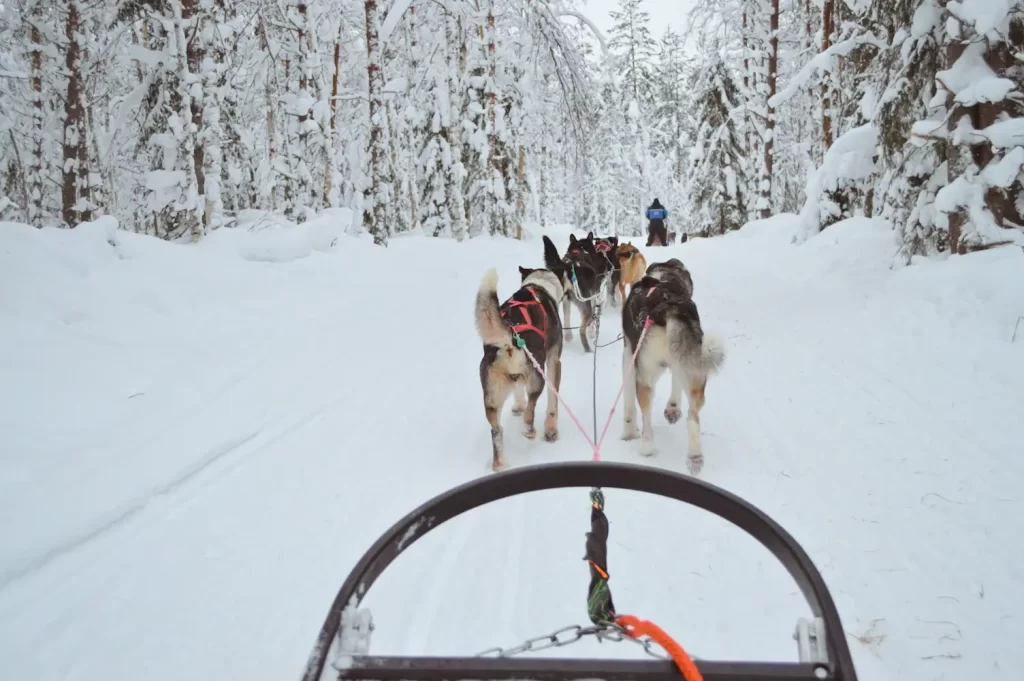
{"type": "Point", "coordinates": [476, 493]}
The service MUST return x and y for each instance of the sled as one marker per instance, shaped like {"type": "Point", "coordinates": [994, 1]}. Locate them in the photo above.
{"type": "Point", "coordinates": [341, 651]}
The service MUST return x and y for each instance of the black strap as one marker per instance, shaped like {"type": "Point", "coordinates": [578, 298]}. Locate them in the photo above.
{"type": "Point", "coordinates": [600, 607]}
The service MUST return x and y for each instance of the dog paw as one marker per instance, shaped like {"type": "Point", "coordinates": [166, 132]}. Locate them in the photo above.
{"type": "Point", "coordinates": [568, 335]}
{"type": "Point", "coordinates": [551, 435]}
{"type": "Point", "coordinates": [647, 447]}
{"type": "Point", "coordinates": [530, 432]}
{"type": "Point", "coordinates": [673, 413]}
{"type": "Point", "coordinates": [695, 463]}
{"type": "Point", "coordinates": [498, 465]}
{"type": "Point", "coordinates": [630, 432]}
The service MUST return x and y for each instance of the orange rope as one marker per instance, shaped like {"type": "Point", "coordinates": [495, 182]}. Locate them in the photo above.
{"type": "Point", "coordinates": [636, 627]}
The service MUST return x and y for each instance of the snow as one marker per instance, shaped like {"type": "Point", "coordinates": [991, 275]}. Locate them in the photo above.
{"type": "Point", "coordinates": [199, 441]}
{"type": "Point", "coordinates": [985, 15]}
{"type": "Point", "coordinates": [927, 16]}
{"type": "Point", "coordinates": [387, 27]}
{"type": "Point", "coordinates": [850, 159]}
{"type": "Point", "coordinates": [972, 80]}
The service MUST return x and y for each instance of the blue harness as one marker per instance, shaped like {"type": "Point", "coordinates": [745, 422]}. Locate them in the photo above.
{"type": "Point", "coordinates": [656, 213]}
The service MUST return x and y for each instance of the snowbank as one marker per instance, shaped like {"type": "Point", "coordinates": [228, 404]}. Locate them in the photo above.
{"type": "Point", "coordinates": [264, 237]}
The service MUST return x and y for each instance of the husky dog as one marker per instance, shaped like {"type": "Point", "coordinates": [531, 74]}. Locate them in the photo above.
{"type": "Point", "coordinates": [631, 267]}
{"type": "Point", "coordinates": [580, 261]}
{"type": "Point", "coordinates": [605, 248]}
{"type": "Point", "coordinates": [608, 264]}
{"type": "Point", "coordinates": [674, 341]}
{"type": "Point", "coordinates": [526, 321]}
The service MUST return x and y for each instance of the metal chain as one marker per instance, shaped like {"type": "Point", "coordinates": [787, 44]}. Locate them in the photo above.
{"type": "Point", "coordinates": [569, 635]}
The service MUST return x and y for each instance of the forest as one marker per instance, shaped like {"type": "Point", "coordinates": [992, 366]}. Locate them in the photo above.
{"type": "Point", "coordinates": [467, 117]}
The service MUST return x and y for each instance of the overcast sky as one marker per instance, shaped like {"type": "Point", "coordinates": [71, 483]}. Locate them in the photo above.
{"type": "Point", "coordinates": [663, 13]}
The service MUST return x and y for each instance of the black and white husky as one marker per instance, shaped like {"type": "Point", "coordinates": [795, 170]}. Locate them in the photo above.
{"type": "Point", "coordinates": [580, 262]}
{"type": "Point", "coordinates": [675, 341]}
{"type": "Point", "coordinates": [526, 321]}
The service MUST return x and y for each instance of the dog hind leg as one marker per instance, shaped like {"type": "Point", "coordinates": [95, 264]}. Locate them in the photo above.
{"type": "Point", "coordinates": [679, 379]}
{"type": "Point", "coordinates": [519, 399]}
{"type": "Point", "coordinates": [554, 370]}
{"type": "Point", "coordinates": [644, 395]}
{"type": "Point", "coordinates": [494, 399]}
{"type": "Point", "coordinates": [629, 429]}
{"type": "Point", "coordinates": [695, 458]}
{"type": "Point", "coordinates": [534, 387]}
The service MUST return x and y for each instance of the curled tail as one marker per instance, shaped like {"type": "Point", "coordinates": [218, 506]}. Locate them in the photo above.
{"type": "Point", "coordinates": [552, 260]}
{"type": "Point", "coordinates": [489, 324]}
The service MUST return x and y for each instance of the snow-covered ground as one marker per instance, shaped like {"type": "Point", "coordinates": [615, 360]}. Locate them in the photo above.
{"type": "Point", "coordinates": [197, 442]}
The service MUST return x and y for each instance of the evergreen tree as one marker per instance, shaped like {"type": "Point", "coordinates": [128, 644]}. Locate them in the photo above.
{"type": "Point", "coordinates": [717, 153]}
{"type": "Point", "coordinates": [632, 43]}
{"type": "Point", "coordinates": [671, 119]}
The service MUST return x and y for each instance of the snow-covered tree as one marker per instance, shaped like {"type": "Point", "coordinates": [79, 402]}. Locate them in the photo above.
{"type": "Point", "coordinates": [717, 153]}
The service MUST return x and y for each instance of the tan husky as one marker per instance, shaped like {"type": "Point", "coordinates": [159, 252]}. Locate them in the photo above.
{"type": "Point", "coordinates": [632, 266]}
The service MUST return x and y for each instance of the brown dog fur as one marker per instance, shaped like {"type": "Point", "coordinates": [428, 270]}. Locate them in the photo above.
{"type": "Point", "coordinates": [632, 266]}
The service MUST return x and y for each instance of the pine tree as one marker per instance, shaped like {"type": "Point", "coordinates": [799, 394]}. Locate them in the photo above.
{"type": "Point", "coordinates": [671, 120]}
{"type": "Point", "coordinates": [632, 43]}
{"type": "Point", "coordinates": [716, 157]}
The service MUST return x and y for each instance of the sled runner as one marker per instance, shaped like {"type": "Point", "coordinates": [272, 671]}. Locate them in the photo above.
{"type": "Point", "coordinates": [342, 649]}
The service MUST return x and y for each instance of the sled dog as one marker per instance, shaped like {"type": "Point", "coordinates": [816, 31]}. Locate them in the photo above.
{"type": "Point", "coordinates": [674, 341]}
{"type": "Point", "coordinates": [580, 261]}
{"type": "Point", "coordinates": [605, 247]}
{"type": "Point", "coordinates": [632, 265]}
{"type": "Point", "coordinates": [608, 264]}
{"type": "Point", "coordinates": [526, 321]}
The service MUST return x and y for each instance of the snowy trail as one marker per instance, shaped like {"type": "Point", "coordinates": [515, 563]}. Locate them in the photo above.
{"type": "Point", "coordinates": [204, 535]}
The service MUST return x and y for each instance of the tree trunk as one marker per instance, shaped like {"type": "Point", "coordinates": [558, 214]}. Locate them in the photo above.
{"type": "Point", "coordinates": [454, 60]}
{"type": "Point", "coordinates": [954, 154]}
{"type": "Point", "coordinates": [769, 141]}
{"type": "Point", "coordinates": [1000, 58]}
{"type": "Point", "coordinates": [194, 54]}
{"type": "Point", "coordinates": [329, 155]}
{"type": "Point", "coordinates": [497, 217]}
{"type": "Point", "coordinates": [374, 216]}
{"type": "Point", "coordinates": [36, 162]}
{"type": "Point", "coordinates": [75, 185]}
{"type": "Point", "coordinates": [827, 15]}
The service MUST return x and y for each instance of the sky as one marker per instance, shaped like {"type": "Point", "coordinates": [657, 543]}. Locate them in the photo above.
{"type": "Point", "coordinates": [663, 13]}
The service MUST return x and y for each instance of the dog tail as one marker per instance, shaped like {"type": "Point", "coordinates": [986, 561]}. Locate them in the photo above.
{"type": "Point", "coordinates": [712, 353]}
{"type": "Point", "coordinates": [703, 353]}
{"type": "Point", "coordinates": [552, 260]}
{"type": "Point", "coordinates": [489, 324]}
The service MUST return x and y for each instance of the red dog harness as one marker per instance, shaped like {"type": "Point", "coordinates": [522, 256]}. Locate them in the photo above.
{"type": "Point", "coordinates": [603, 247]}
{"type": "Point", "coordinates": [528, 325]}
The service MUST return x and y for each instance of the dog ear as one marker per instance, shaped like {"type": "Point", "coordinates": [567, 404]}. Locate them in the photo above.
{"type": "Point", "coordinates": [572, 239]}
{"type": "Point", "coordinates": [524, 272]}
{"type": "Point", "coordinates": [590, 235]}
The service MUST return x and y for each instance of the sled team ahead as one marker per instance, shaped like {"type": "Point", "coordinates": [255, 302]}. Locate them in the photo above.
{"type": "Point", "coordinates": [522, 337]}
